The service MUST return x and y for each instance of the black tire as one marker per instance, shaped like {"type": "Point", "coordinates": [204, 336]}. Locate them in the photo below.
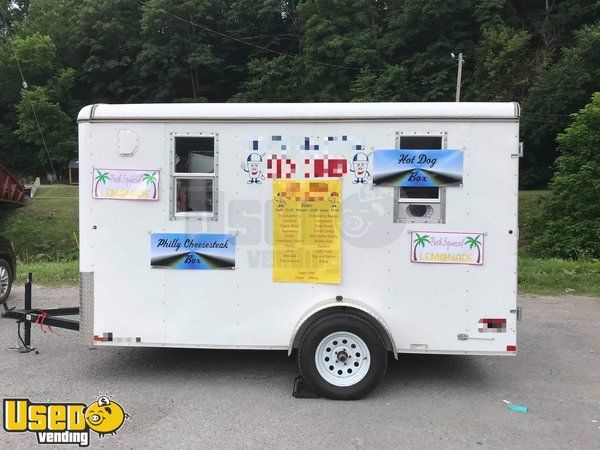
{"type": "Point", "coordinates": [3, 297]}
{"type": "Point", "coordinates": [342, 322]}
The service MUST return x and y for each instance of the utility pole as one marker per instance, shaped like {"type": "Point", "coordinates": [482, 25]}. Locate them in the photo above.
{"type": "Point", "coordinates": [459, 74]}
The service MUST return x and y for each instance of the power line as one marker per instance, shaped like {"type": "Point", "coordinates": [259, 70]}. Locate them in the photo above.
{"type": "Point", "coordinates": [446, 67]}
{"type": "Point", "coordinates": [24, 84]}
{"type": "Point", "coordinates": [277, 52]}
{"type": "Point", "coordinates": [261, 47]}
{"type": "Point", "coordinates": [241, 41]}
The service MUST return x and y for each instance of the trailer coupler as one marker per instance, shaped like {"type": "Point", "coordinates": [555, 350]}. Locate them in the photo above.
{"type": "Point", "coordinates": [51, 317]}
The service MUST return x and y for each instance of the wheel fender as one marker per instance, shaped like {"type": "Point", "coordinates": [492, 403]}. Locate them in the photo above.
{"type": "Point", "coordinates": [347, 304]}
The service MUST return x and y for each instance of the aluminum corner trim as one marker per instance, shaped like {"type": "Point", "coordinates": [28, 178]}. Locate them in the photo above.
{"type": "Point", "coordinates": [86, 307]}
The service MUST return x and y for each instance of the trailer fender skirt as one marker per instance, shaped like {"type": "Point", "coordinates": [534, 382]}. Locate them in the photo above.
{"type": "Point", "coordinates": [322, 308]}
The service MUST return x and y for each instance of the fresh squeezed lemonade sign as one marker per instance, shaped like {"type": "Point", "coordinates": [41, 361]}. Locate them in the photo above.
{"type": "Point", "coordinates": [307, 231]}
{"type": "Point", "coordinates": [125, 184]}
{"type": "Point", "coordinates": [446, 248]}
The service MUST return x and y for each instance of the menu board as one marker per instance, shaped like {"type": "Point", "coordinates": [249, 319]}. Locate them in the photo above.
{"type": "Point", "coordinates": [307, 231]}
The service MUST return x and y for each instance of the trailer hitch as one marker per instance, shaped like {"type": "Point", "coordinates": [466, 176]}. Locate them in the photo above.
{"type": "Point", "coordinates": [52, 317]}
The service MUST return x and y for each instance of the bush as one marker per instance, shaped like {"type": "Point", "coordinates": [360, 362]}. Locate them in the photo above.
{"type": "Point", "coordinates": [572, 212]}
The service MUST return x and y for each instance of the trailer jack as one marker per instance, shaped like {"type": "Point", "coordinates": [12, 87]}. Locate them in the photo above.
{"type": "Point", "coordinates": [52, 317]}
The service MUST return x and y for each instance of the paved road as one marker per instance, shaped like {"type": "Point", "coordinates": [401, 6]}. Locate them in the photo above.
{"type": "Point", "coordinates": [217, 399]}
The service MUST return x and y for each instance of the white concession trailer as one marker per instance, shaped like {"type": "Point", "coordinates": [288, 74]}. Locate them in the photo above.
{"type": "Point", "coordinates": [343, 231]}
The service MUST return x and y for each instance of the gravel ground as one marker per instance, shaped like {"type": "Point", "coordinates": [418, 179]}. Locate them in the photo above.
{"type": "Point", "coordinates": [232, 399]}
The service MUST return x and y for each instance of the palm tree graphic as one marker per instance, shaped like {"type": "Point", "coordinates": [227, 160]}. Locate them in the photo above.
{"type": "Point", "coordinates": [100, 178]}
{"type": "Point", "coordinates": [150, 178]}
{"type": "Point", "coordinates": [474, 242]}
{"type": "Point", "coordinates": [420, 240]}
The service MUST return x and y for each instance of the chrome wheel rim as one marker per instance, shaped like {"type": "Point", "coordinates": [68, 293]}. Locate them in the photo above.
{"type": "Point", "coordinates": [4, 281]}
{"type": "Point", "coordinates": [342, 359]}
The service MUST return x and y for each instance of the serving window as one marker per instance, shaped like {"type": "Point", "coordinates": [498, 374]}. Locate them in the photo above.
{"type": "Point", "coordinates": [420, 204]}
{"type": "Point", "coordinates": [194, 176]}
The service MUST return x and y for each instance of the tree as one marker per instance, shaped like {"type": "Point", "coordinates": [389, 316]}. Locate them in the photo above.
{"type": "Point", "coordinates": [14, 11]}
{"type": "Point", "coordinates": [503, 65]}
{"type": "Point", "coordinates": [572, 213]}
{"type": "Point", "coordinates": [389, 85]}
{"type": "Point", "coordinates": [109, 44]}
{"type": "Point", "coordinates": [338, 33]}
{"type": "Point", "coordinates": [56, 19]}
{"type": "Point", "coordinates": [419, 37]}
{"type": "Point", "coordinates": [36, 54]}
{"type": "Point", "coordinates": [57, 128]}
{"type": "Point", "coordinates": [265, 24]}
{"type": "Point", "coordinates": [179, 61]}
{"type": "Point", "coordinates": [561, 89]}
{"type": "Point", "coordinates": [47, 96]}
{"type": "Point", "coordinates": [273, 80]}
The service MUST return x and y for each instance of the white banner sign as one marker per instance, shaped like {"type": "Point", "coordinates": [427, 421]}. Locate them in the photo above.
{"type": "Point", "coordinates": [125, 184]}
{"type": "Point", "coordinates": [446, 248]}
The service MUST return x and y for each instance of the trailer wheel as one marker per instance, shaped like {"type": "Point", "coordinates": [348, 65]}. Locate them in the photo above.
{"type": "Point", "coordinates": [342, 356]}
{"type": "Point", "coordinates": [5, 280]}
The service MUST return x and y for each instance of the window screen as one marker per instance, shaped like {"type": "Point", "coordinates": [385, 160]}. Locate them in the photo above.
{"type": "Point", "coordinates": [421, 142]}
{"type": "Point", "coordinates": [194, 176]}
{"type": "Point", "coordinates": [194, 155]}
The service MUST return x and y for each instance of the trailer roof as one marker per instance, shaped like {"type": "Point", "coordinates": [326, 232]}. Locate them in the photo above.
{"type": "Point", "coordinates": [298, 111]}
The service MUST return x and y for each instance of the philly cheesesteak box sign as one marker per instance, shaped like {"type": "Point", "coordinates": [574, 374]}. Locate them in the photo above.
{"type": "Point", "coordinates": [192, 251]}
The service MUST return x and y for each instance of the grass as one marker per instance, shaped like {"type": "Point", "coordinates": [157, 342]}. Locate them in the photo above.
{"type": "Point", "coordinates": [57, 191]}
{"type": "Point", "coordinates": [43, 230]}
{"type": "Point", "coordinates": [47, 273]}
{"type": "Point", "coordinates": [558, 276]}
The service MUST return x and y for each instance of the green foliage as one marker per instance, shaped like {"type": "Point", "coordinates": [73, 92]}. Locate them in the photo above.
{"type": "Point", "coordinates": [503, 65]}
{"type": "Point", "coordinates": [36, 54]}
{"type": "Point", "coordinates": [340, 33]}
{"type": "Point", "coordinates": [58, 20]}
{"type": "Point", "coordinates": [572, 212]}
{"type": "Point", "coordinates": [108, 44]}
{"type": "Point", "coordinates": [77, 52]}
{"type": "Point", "coordinates": [558, 276]}
{"type": "Point", "coordinates": [43, 230]}
{"type": "Point", "coordinates": [273, 80]}
{"type": "Point", "coordinates": [531, 205]}
{"type": "Point", "coordinates": [561, 89]}
{"type": "Point", "coordinates": [46, 273]}
{"type": "Point", "coordinates": [178, 58]}
{"type": "Point", "coordinates": [390, 85]}
{"type": "Point", "coordinates": [36, 107]}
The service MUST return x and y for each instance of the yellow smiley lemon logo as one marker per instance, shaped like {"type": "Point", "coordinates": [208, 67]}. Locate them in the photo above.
{"type": "Point", "coordinates": [105, 416]}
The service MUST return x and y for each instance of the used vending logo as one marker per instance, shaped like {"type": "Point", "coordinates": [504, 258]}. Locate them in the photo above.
{"type": "Point", "coordinates": [63, 423]}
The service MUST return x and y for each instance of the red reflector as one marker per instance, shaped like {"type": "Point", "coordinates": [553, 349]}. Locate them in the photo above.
{"type": "Point", "coordinates": [511, 348]}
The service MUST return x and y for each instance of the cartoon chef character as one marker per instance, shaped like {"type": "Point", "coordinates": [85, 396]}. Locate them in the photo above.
{"type": "Point", "coordinates": [280, 201]}
{"type": "Point", "coordinates": [359, 166]}
{"type": "Point", "coordinates": [334, 199]}
{"type": "Point", "coordinates": [253, 167]}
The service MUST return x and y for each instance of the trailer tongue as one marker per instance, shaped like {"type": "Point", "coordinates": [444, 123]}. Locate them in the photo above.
{"type": "Point", "coordinates": [44, 317]}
